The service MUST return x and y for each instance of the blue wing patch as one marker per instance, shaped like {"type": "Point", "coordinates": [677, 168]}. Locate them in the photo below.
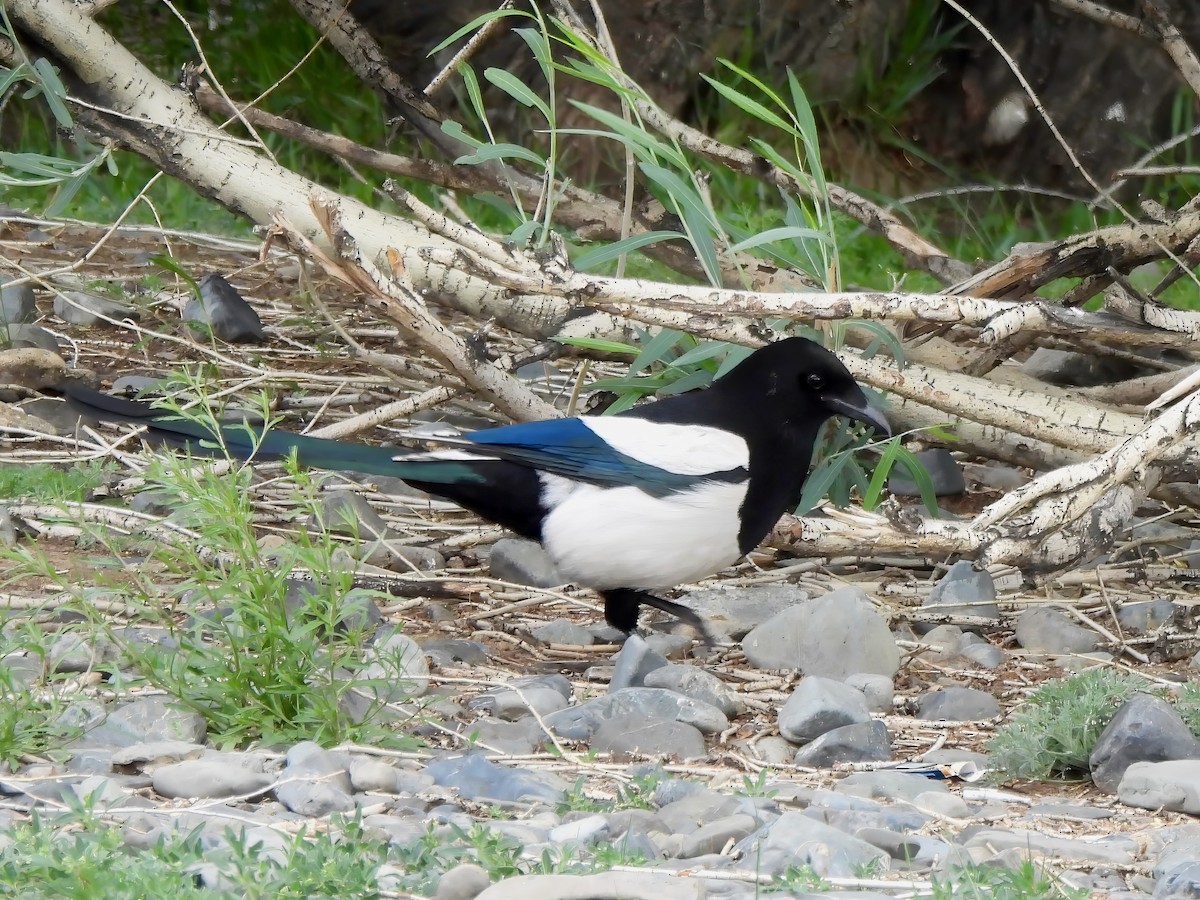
{"type": "Point", "coordinates": [569, 448]}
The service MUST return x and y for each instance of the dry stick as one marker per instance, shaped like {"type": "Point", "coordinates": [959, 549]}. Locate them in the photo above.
{"type": "Point", "coordinates": [1110, 17]}
{"type": "Point", "coordinates": [1175, 44]}
{"type": "Point", "coordinates": [390, 294]}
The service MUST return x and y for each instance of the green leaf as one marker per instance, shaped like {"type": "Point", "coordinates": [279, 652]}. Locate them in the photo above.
{"type": "Point", "coordinates": [517, 89]}
{"type": "Point", "coordinates": [600, 255]}
{"type": "Point", "coordinates": [632, 133]}
{"type": "Point", "coordinates": [820, 480]}
{"type": "Point", "coordinates": [879, 477]}
{"type": "Point", "coordinates": [475, 23]}
{"type": "Point", "coordinates": [920, 475]}
{"type": "Point", "coordinates": [656, 349]}
{"type": "Point", "coordinates": [54, 91]}
{"type": "Point", "coordinates": [701, 353]}
{"type": "Point", "coordinates": [690, 382]}
{"type": "Point", "coordinates": [455, 130]}
{"type": "Point", "coordinates": [475, 95]}
{"type": "Point", "coordinates": [748, 105]}
{"type": "Point", "coordinates": [540, 48]}
{"type": "Point", "coordinates": [787, 233]}
{"type": "Point", "coordinates": [488, 152]}
{"type": "Point", "coordinates": [808, 132]}
{"type": "Point", "coordinates": [600, 345]}
{"type": "Point", "coordinates": [736, 354]}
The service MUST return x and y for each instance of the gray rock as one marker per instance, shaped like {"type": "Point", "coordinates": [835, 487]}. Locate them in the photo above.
{"type": "Point", "coordinates": [226, 313]}
{"type": "Point", "coordinates": [963, 591]}
{"type": "Point", "coordinates": [818, 705]}
{"type": "Point", "coordinates": [795, 840]}
{"type": "Point", "coordinates": [1180, 883]}
{"type": "Point", "coordinates": [736, 611]}
{"type": "Point", "coordinates": [542, 694]}
{"type": "Point", "coordinates": [216, 778]}
{"type": "Point", "coordinates": [1046, 630]}
{"type": "Point", "coordinates": [588, 830]}
{"type": "Point", "coordinates": [450, 652]}
{"type": "Point", "coordinates": [16, 302]}
{"type": "Point", "coordinates": [634, 661]}
{"type": "Point", "coordinates": [522, 561]}
{"type": "Point", "coordinates": [878, 690]}
{"type": "Point", "coordinates": [561, 631]}
{"type": "Point", "coordinates": [944, 471]}
{"type": "Point", "coordinates": [370, 774]}
{"type": "Point", "coordinates": [1172, 785]}
{"type": "Point", "coordinates": [509, 738]}
{"type": "Point", "coordinates": [957, 704]}
{"type": "Point", "coordinates": [76, 652]}
{"type": "Point", "coordinates": [154, 502]}
{"type": "Point", "coordinates": [397, 667]}
{"type": "Point", "coordinates": [648, 885]}
{"type": "Point", "coordinates": [982, 653]}
{"type": "Point", "coordinates": [143, 721]}
{"type": "Point", "coordinates": [942, 643]}
{"type": "Point", "coordinates": [1066, 849]}
{"type": "Point", "coordinates": [1144, 729]}
{"type": "Point", "coordinates": [581, 721]}
{"type": "Point", "coordinates": [150, 756]}
{"type": "Point", "coordinates": [397, 557]}
{"type": "Point", "coordinates": [861, 742]}
{"type": "Point", "coordinates": [697, 683]}
{"type": "Point", "coordinates": [695, 809]}
{"type": "Point", "coordinates": [1141, 618]}
{"type": "Point", "coordinates": [463, 882]}
{"type": "Point", "coordinates": [83, 308]}
{"type": "Point", "coordinates": [349, 513]}
{"type": "Point", "coordinates": [478, 778]}
{"type": "Point", "coordinates": [630, 733]}
{"type": "Point", "coordinates": [20, 336]}
{"type": "Point", "coordinates": [885, 785]}
{"type": "Point", "coordinates": [315, 781]}
{"type": "Point", "coordinates": [837, 635]}
{"type": "Point", "coordinates": [714, 836]}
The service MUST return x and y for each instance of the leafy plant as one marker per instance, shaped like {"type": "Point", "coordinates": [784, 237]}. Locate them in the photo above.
{"type": "Point", "coordinates": [1053, 733]}
{"type": "Point", "coordinates": [1025, 881]}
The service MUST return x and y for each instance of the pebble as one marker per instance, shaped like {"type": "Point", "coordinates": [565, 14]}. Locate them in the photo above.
{"type": "Point", "coordinates": [861, 742]}
{"type": "Point", "coordinates": [28, 337]}
{"type": "Point", "coordinates": [735, 611]}
{"type": "Point", "coordinates": [224, 311]}
{"type": "Point", "coordinates": [697, 683]}
{"type": "Point", "coordinates": [818, 705]}
{"type": "Point", "coordinates": [1144, 729]}
{"type": "Point", "coordinates": [630, 733]}
{"type": "Point", "coordinates": [635, 660]}
{"type": "Point", "coordinates": [1172, 785]}
{"type": "Point", "coordinates": [836, 635]}
{"type": "Point", "coordinates": [1045, 629]}
{"type": "Point", "coordinates": [963, 591]}
{"type": "Point", "coordinates": [17, 302]}
{"type": "Point", "coordinates": [957, 704]}
{"type": "Point", "coordinates": [83, 308]}
{"type": "Point", "coordinates": [216, 778]}
{"type": "Point", "coordinates": [944, 471]}
{"type": "Point", "coordinates": [581, 721]}
{"type": "Point", "coordinates": [522, 561]}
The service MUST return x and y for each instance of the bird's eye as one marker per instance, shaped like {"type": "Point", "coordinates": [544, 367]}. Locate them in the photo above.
{"type": "Point", "coordinates": [816, 382]}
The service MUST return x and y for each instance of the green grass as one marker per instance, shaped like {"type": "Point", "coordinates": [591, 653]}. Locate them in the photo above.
{"type": "Point", "coordinates": [39, 482]}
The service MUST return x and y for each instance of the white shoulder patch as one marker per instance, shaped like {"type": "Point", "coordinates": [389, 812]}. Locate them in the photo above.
{"type": "Point", "coordinates": [682, 449]}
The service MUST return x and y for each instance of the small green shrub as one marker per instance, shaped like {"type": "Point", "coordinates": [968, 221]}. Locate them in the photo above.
{"type": "Point", "coordinates": [1053, 734]}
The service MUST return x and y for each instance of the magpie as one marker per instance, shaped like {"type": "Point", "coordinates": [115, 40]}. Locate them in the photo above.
{"type": "Point", "coordinates": [641, 501]}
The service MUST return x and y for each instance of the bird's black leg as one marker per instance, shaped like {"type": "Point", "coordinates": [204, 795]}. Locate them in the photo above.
{"type": "Point", "coordinates": [621, 611]}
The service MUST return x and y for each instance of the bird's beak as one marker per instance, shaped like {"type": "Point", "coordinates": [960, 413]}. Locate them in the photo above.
{"type": "Point", "coordinates": [860, 412]}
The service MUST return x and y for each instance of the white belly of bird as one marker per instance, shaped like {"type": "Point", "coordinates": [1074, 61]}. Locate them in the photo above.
{"type": "Point", "coordinates": [623, 537]}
